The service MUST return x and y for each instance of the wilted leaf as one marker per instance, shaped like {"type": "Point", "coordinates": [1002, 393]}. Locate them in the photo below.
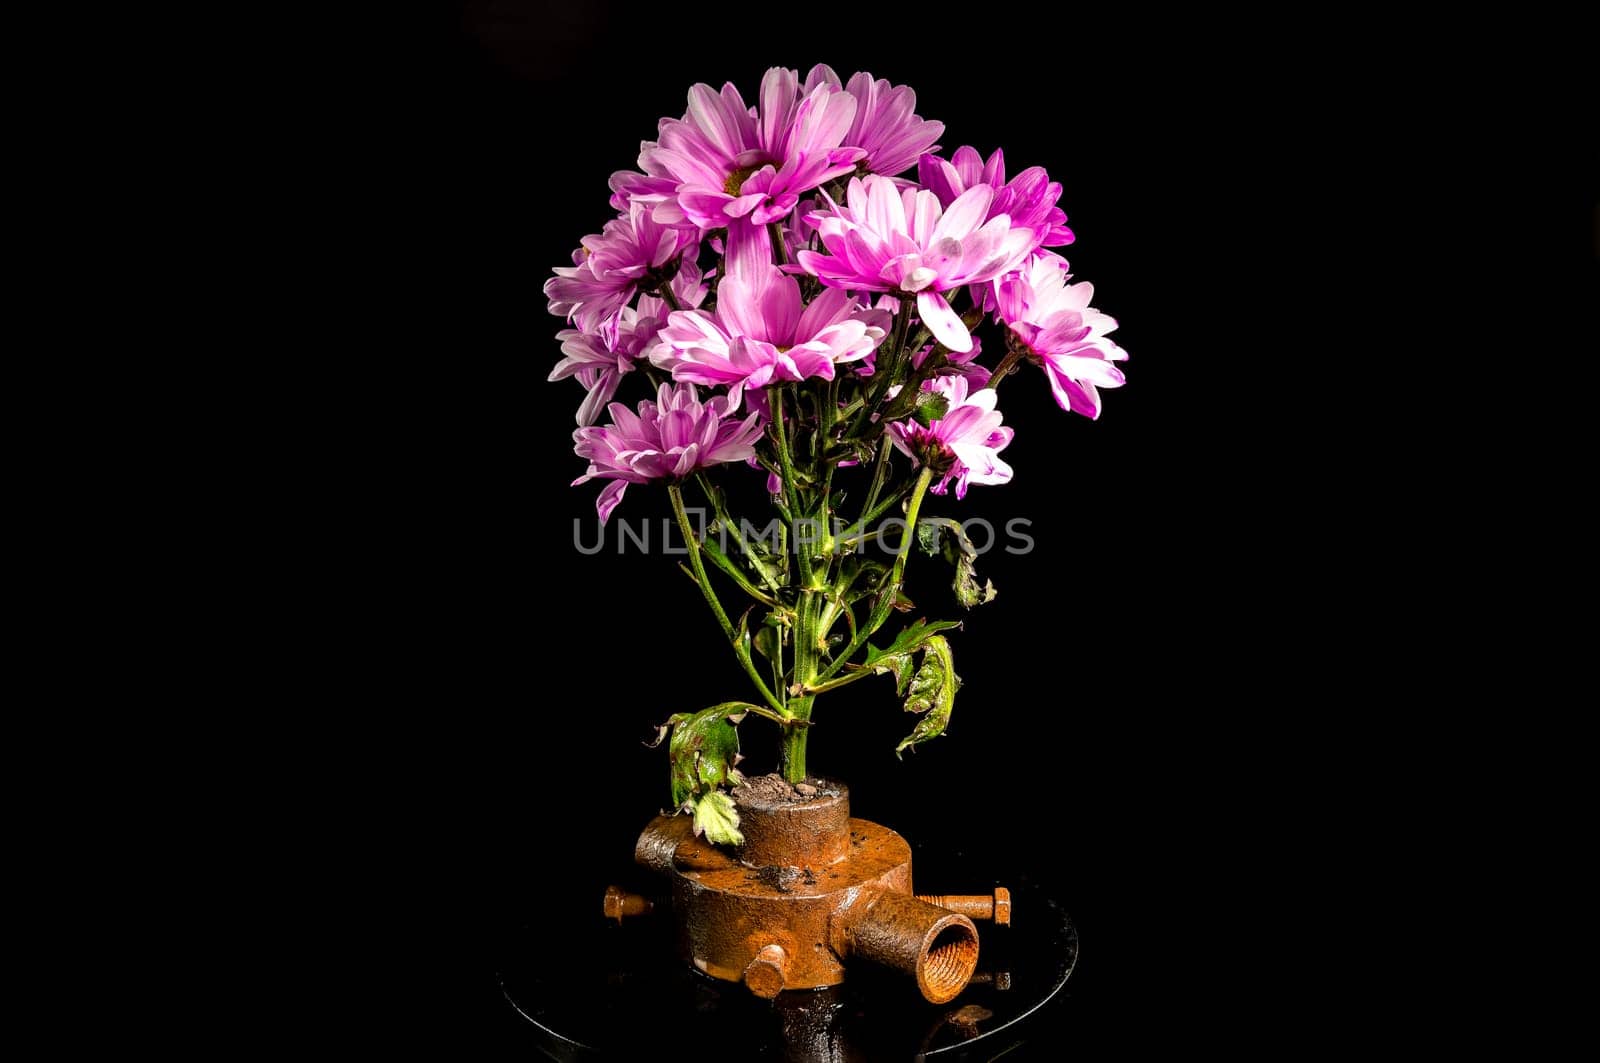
{"type": "Point", "coordinates": [968, 593]}
{"type": "Point", "coordinates": [947, 537]}
{"type": "Point", "coordinates": [716, 817]}
{"type": "Point", "coordinates": [932, 693]}
{"type": "Point", "coordinates": [899, 666]}
{"type": "Point", "coordinates": [704, 750]}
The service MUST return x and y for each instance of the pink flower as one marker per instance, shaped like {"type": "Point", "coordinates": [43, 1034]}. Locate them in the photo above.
{"type": "Point", "coordinates": [1065, 334]}
{"type": "Point", "coordinates": [1029, 200]}
{"type": "Point", "coordinates": [885, 126]}
{"type": "Point", "coordinates": [608, 267]}
{"type": "Point", "coordinates": [761, 332]}
{"type": "Point", "coordinates": [725, 162]}
{"type": "Point", "coordinates": [600, 368]}
{"type": "Point", "coordinates": [884, 240]}
{"type": "Point", "coordinates": [964, 444]}
{"type": "Point", "coordinates": [668, 439]}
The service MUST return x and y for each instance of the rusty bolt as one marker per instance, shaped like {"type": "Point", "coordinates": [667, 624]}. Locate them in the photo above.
{"type": "Point", "coordinates": [765, 974]}
{"type": "Point", "coordinates": [996, 906]}
{"type": "Point", "coordinates": [620, 904]}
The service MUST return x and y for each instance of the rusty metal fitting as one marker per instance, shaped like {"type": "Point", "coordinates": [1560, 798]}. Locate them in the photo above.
{"type": "Point", "coordinates": [809, 889]}
{"type": "Point", "coordinates": [996, 906]}
{"type": "Point", "coordinates": [937, 946]}
{"type": "Point", "coordinates": [620, 904]}
{"type": "Point", "coordinates": [766, 974]}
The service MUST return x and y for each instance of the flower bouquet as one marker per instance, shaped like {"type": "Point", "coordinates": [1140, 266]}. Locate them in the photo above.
{"type": "Point", "coordinates": [788, 305]}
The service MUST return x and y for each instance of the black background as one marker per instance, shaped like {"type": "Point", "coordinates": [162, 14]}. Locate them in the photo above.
{"type": "Point", "coordinates": [1135, 699]}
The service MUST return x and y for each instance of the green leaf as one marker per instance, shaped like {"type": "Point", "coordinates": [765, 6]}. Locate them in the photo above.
{"type": "Point", "coordinates": [704, 750]}
{"type": "Point", "coordinates": [766, 640]}
{"type": "Point", "coordinates": [930, 407]}
{"type": "Point", "coordinates": [932, 693]}
{"type": "Point", "coordinates": [716, 817]}
{"type": "Point", "coordinates": [911, 637]}
{"type": "Point", "coordinates": [864, 577]}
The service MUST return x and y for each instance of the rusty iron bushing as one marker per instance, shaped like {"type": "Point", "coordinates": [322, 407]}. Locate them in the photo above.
{"type": "Point", "coordinates": [809, 889]}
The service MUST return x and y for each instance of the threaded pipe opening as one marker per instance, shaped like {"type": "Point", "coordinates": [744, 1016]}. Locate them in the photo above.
{"type": "Point", "coordinates": [948, 960]}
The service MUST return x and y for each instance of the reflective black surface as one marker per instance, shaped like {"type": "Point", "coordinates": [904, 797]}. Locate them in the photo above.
{"type": "Point", "coordinates": [622, 993]}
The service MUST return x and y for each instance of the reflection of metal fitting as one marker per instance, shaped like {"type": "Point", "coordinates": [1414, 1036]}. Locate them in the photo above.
{"type": "Point", "coordinates": [1001, 980]}
{"type": "Point", "coordinates": [996, 906]}
{"type": "Point", "coordinates": [620, 904]}
{"type": "Point", "coordinates": [966, 1020]}
{"type": "Point", "coordinates": [765, 974]}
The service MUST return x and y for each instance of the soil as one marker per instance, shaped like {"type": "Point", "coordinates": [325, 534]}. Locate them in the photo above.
{"type": "Point", "coordinates": [774, 790]}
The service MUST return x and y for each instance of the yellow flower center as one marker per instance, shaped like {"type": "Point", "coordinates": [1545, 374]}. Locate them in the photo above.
{"type": "Point", "coordinates": [737, 179]}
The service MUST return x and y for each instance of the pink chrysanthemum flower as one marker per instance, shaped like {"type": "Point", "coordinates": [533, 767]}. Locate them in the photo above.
{"type": "Point", "coordinates": [964, 444]}
{"type": "Point", "coordinates": [667, 439]}
{"type": "Point", "coordinates": [1029, 199]}
{"type": "Point", "coordinates": [608, 267]}
{"type": "Point", "coordinates": [725, 162]}
{"type": "Point", "coordinates": [886, 126]}
{"type": "Point", "coordinates": [884, 240]}
{"type": "Point", "coordinates": [600, 368]}
{"type": "Point", "coordinates": [762, 332]}
{"type": "Point", "coordinates": [1065, 334]}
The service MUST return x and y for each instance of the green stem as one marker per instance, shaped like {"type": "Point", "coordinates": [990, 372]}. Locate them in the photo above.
{"type": "Point", "coordinates": [769, 578]}
{"type": "Point", "coordinates": [792, 747]}
{"type": "Point", "coordinates": [888, 367]}
{"type": "Point", "coordinates": [731, 570]}
{"type": "Point", "coordinates": [1013, 356]}
{"type": "Point", "coordinates": [781, 443]}
{"type": "Point", "coordinates": [880, 469]}
{"type": "Point", "coordinates": [827, 412]}
{"type": "Point", "coordinates": [890, 590]}
{"type": "Point", "coordinates": [882, 507]}
{"type": "Point", "coordinates": [780, 249]}
{"type": "Point", "coordinates": [740, 645]}
{"type": "Point", "coordinates": [843, 680]}
{"type": "Point", "coordinates": [912, 509]}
